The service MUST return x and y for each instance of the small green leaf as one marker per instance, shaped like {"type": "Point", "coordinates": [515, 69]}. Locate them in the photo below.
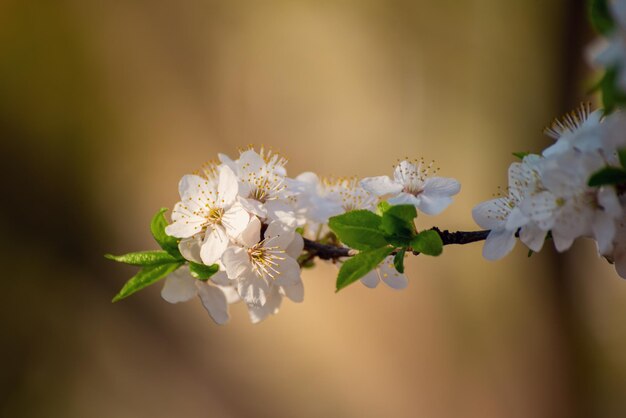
{"type": "Point", "coordinates": [600, 16]}
{"type": "Point", "coordinates": [361, 264]}
{"type": "Point", "coordinates": [143, 258]}
{"type": "Point", "coordinates": [157, 226]}
{"type": "Point", "coordinates": [530, 253]}
{"type": "Point", "coordinates": [607, 175]}
{"type": "Point", "coordinates": [621, 153]}
{"type": "Point", "coordinates": [398, 224]}
{"type": "Point", "coordinates": [146, 277]}
{"type": "Point", "coordinates": [398, 260]}
{"type": "Point", "coordinates": [612, 96]}
{"type": "Point", "coordinates": [359, 229]}
{"type": "Point", "coordinates": [520, 155]}
{"type": "Point", "coordinates": [427, 242]}
{"type": "Point", "coordinates": [202, 271]}
{"type": "Point", "coordinates": [300, 230]}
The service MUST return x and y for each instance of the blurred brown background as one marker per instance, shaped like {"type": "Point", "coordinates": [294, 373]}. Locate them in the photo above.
{"type": "Point", "coordinates": [105, 105]}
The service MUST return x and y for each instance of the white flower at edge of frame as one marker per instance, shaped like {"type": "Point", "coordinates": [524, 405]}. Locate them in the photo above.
{"type": "Point", "coordinates": [411, 185]}
{"type": "Point", "coordinates": [386, 272]}
{"type": "Point", "coordinates": [181, 286]}
{"type": "Point", "coordinates": [207, 207]}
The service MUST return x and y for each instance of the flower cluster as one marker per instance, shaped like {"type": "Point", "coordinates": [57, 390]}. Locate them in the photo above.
{"type": "Point", "coordinates": [564, 193]}
{"type": "Point", "coordinates": [248, 218]}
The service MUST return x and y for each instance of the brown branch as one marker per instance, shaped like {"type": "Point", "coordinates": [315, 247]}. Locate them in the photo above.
{"type": "Point", "coordinates": [333, 252]}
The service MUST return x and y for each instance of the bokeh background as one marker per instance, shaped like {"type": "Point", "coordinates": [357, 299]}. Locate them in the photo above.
{"type": "Point", "coordinates": [105, 105]}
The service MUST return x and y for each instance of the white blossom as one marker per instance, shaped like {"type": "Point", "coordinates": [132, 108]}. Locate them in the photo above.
{"type": "Point", "coordinates": [411, 184]}
{"type": "Point", "coordinates": [207, 216]}
{"type": "Point", "coordinates": [264, 188]}
{"type": "Point", "coordinates": [262, 266]}
{"type": "Point", "coordinates": [504, 217]}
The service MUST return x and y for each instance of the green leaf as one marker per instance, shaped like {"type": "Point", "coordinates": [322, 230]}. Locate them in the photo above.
{"type": "Point", "coordinates": [361, 264]}
{"type": "Point", "coordinates": [143, 258]}
{"type": "Point", "coordinates": [168, 243]}
{"type": "Point", "coordinates": [530, 253]}
{"type": "Point", "coordinates": [600, 16]}
{"type": "Point", "coordinates": [521, 155]}
{"type": "Point", "coordinates": [146, 277]}
{"type": "Point", "coordinates": [427, 242]}
{"type": "Point", "coordinates": [202, 271]}
{"type": "Point", "coordinates": [398, 260]}
{"type": "Point", "coordinates": [359, 229]}
{"type": "Point", "coordinates": [398, 224]}
{"type": "Point", "coordinates": [612, 96]}
{"type": "Point", "coordinates": [621, 153]}
{"type": "Point", "coordinates": [607, 175]}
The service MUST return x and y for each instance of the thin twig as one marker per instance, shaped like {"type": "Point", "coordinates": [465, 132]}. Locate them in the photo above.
{"type": "Point", "coordinates": [333, 252]}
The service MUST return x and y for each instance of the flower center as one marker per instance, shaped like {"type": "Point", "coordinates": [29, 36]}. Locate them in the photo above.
{"type": "Point", "coordinates": [414, 188]}
{"type": "Point", "coordinates": [214, 217]}
{"type": "Point", "coordinates": [265, 186]}
{"type": "Point", "coordinates": [264, 259]}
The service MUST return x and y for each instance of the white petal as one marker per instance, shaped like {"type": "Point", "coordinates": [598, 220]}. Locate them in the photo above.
{"type": "Point", "coordinates": [491, 214]}
{"type": "Point", "coordinates": [404, 199]}
{"type": "Point", "coordinates": [214, 245]}
{"type": "Point", "coordinates": [179, 286]}
{"type": "Point", "coordinates": [516, 219]}
{"type": "Point", "coordinates": [295, 292]}
{"type": "Point", "coordinates": [253, 289]}
{"type": "Point", "coordinates": [289, 271]}
{"type": "Point", "coordinates": [281, 212]}
{"type": "Point", "coordinates": [371, 279]}
{"type": "Point", "coordinates": [221, 278]}
{"type": "Point", "coordinates": [252, 234]}
{"type": "Point", "coordinates": [235, 220]}
{"type": "Point", "coordinates": [603, 228]}
{"type": "Point", "coordinates": [608, 200]}
{"type": "Point", "coordinates": [279, 235]}
{"type": "Point", "coordinates": [185, 223]}
{"type": "Point", "coordinates": [295, 248]}
{"type": "Point", "coordinates": [231, 294]}
{"type": "Point", "coordinates": [541, 208]}
{"type": "Point", "coordinates": [250, 161]}
{"type": "Point", "coordinates": [190, 248]}
{"type": "Point", "coordinates": [227, 187]}
{"type": "Point", "coordinates": [499, 243]}
{"type": "Point", "coordinates": [533, 237]}
{"type": "Point", "coordinates": [259, 313]}
{"type": "Point", "coordinates": [226, 160]}
{"type": "Point", "coordinates": [236, 262]}
{"type": "Point", "coordinates": [254, 207]}
{"type": "Point", "coordinates": [381, 185]}
{"type": "Point", "coordinates": [441, 186]}
{"type": "Point", "coordinates": [561, 242]}
{"type": "Point", "coordinates": [433, 205]}
{"type": "Point", "coordinates": [309, 178]}
{"type": "Point", "coordinates": [214, 301]}
{"type": "Point", "coordinates": [390, 275]}
{"type": "Point", "coordinates": [193, 185]}
{"type": "Point", "coordinates": [405, 173]}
